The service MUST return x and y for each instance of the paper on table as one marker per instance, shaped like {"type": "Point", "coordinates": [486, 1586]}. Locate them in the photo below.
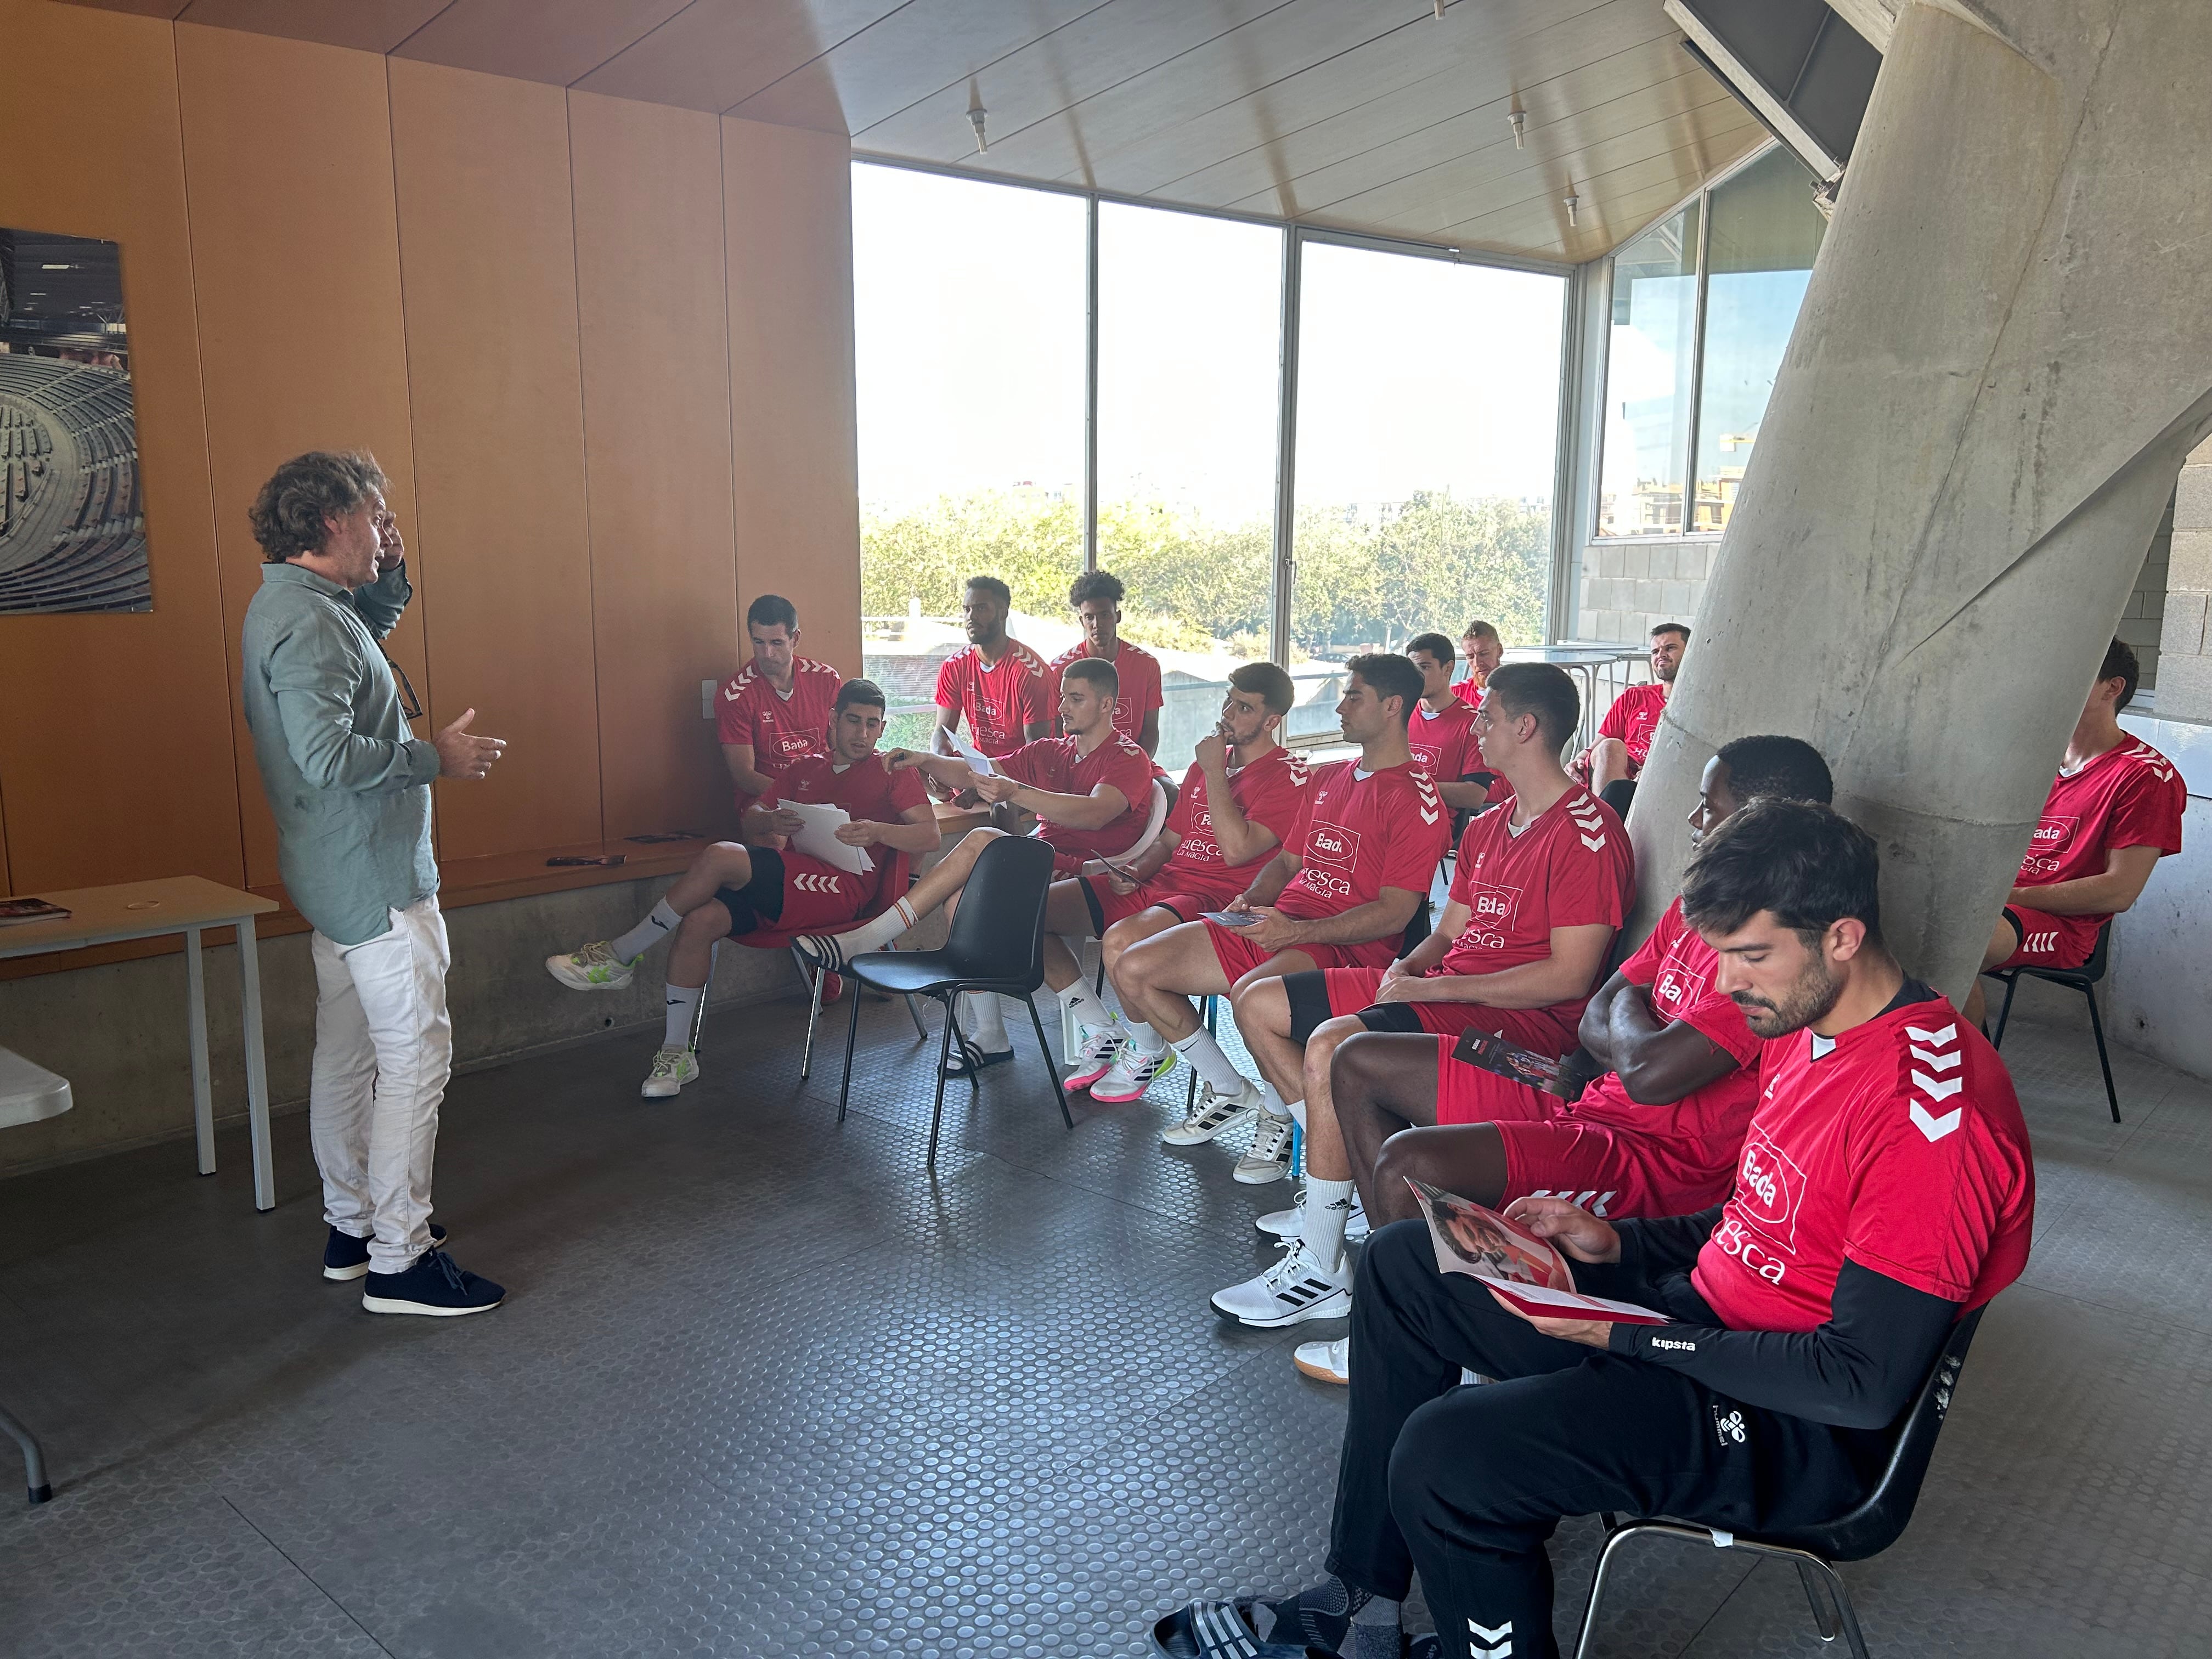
{"type": "Point", "coordinates": [818, 837]}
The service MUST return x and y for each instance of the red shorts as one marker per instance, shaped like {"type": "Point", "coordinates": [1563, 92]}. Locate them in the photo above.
{"type": "Point", "coordinates": [1239, 956]}
{"type": "Point", "coordinates": [2049, 941]}
{"type": "Point", "coordinates": [1109, 907]}
{"type": "Point", "coordinates": [1550, 1153]}
{"type": "Point", "coordinates": [818, 897]}
{"type": "Point", "coordinates": [1352, 991]}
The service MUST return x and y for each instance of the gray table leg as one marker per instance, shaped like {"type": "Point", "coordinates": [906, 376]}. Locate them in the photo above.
{"type": "Point", "coordinates": [34, 1463]}
{"type": "Point", "coordinates": [256, 1067]}
{"type": "Point", "coordinates": [202, 1091]}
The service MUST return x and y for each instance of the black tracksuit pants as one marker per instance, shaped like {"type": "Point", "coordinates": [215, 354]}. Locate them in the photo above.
{"type": "Point", "coordinates": [1467, 1484]}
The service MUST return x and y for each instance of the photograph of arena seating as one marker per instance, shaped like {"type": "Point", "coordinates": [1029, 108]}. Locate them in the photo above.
{"type": "Point", "coordinates": [72, 520]}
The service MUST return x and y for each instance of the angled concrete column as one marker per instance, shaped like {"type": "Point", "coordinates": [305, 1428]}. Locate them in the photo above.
{"type": "Point", "coordinates": [2002, 360]}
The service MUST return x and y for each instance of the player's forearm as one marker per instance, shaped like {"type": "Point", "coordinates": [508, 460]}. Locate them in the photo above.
{"type": "Point", "coordinates": [1464, 797]}
{"type": "Point", "coordinates": [1654, 1246]}
{"type": "Point", "coordinates": [1530, 985]}
{"type": "Point", "coordinates": [1594, 1030]}
{"type": "Point", "coordinates": [1267, 887]}
{"type": "Point", "coordinates": [1675, 1063]}
{"type": "Point", "coordinates": [1070, 812]}
{"type": "Point", "coordinates": [2103, 895]}
{"type": "Point", "coordinates": [1427, 954]}
{"type": "Point", "coordinates": [911, 837]}
{"type": "Point", "coordinates": [1379, 918]}
{"type": "Point", "coordinates": [1155, 857]}
{"type": "Point", "coordinates": [950, 770]}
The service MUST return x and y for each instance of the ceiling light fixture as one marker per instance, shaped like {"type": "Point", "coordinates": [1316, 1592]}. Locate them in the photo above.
{"type": "Point", "coordinates": [1518, 121]}
{"type": "Point", "coordinates": [976, 114]}
{"type": "Point", "coordinates": [1574, 205]}
{"type": "Point", "coordinates": [1440, 10]}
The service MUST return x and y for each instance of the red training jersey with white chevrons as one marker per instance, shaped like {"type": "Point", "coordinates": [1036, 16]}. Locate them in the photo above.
{"type": "Point", "coordinates": [2129, 796]}
{"type": "Point", "coordinates": [1569, 866]}
{"type": "Point", "coordinates": [866, 790]}
{"type": "Point", "coordinates": [782, 730]}
{"type": "Point", "coordinates": [1359, 833]}
{"type": "Point", "coordinates": [1444, 743]}
{"type": "Point", "coordinates": [1058, 765]}
{"type": "Point", "coordinates": [999, 700]}
{"type": "Point", "coordinates": [1271, 791]}
{"type": "Point", "coordinates": [1137, 683]}
{"type": "Point", "coordinates": [1634, 719]}
{"type": "Point", "coordinates": [1899, 1144]}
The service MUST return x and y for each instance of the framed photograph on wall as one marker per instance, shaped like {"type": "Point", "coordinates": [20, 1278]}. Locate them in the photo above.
{"type": "Point", "coordinates": [72, 513]}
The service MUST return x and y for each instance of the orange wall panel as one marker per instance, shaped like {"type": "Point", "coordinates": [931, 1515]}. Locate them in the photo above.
{"type": "Point", "coordinates": [648, 195]}
{"type": "Point", "coordinates": [788, 222]}
{"type": "Point", "coordinates": [488, 266]}
{"type": "Point", "coordinates": [287, 168]}
{"type": "Point", "coordinates": [115, 750]}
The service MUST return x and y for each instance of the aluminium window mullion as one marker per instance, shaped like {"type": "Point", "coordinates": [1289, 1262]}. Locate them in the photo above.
{"type": "Point", "coordinates": [1091, 387]}
{"type": "Point", "coordinates": [1287, 438]}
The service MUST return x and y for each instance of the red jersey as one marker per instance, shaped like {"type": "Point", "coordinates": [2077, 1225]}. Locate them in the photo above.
{"type": "Point", "coordinates": [1056, 765]}
{"type": "Point", "coordinates": [781, 729]}
{"type": "Point", "coordinates": [1360, 832]}
{"type": "Point", "coordinates": [999, 701]}
{"type": "Point", "coordinates": [1569, 866]}
{"type": "Point", "coordinates": [1634, 719]}
{"type": "Point", "coordinates": [1444, 743]}
{"type": "Point", "coordinates": [1137, 692]}
{"type": "Point", "coordinates": [2129, 796]}
{"type": "Point", "coordinates": [1899, 1144]}
{"type": "Point", "coordinates": [1676, 967]}
{"type": "Point", "coordinates": [866, 789]}
{"type": "Point", "coordinates": [1468, 690]}
{"type": "Point", "coordinates": [1271, 791]}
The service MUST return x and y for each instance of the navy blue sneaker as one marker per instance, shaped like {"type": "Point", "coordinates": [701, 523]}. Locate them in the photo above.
{"type": "Point", "coordinates": [435, 1286]}
{"type": "Point", "coordinates": [347, 1257]}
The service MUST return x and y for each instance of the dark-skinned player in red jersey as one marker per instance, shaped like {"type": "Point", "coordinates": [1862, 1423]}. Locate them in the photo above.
{"type": "Point", "coordinates": [1656, 1134]}
{"type": "Point", "coordinates": [995, 685]}
{"type": "Point", "coordinates": [1885, 1188]}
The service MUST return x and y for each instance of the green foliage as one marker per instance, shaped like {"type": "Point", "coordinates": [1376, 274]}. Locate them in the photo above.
{"type": "Point", "coordinates": [1436, 564]}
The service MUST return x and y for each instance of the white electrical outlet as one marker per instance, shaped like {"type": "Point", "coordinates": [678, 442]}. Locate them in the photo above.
{"type": "Point", "coordinates": [707, 690]}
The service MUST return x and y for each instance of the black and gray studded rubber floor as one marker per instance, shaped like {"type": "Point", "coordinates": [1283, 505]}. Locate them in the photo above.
{"type": "Point", "coordinates": [764, 1387]}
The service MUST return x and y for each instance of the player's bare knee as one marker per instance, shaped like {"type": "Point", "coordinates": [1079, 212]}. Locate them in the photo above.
{"type": "Point", "coordinates": [1356, 1064]}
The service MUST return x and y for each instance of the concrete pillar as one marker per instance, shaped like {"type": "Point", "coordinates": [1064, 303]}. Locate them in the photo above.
{"type": "Point", "coordinates": [2185, 646]}
{"type": "Point", "coordinates": [2002, 360]}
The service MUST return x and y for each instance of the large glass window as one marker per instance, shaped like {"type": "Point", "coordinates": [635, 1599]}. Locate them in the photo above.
{"type": "Point", "coordinates": [968, 333]}
{"type": "Point", "coordinates": [1189, 369]}
{"type": "Point", "coordinates": [1759, 258]}
{"type": "Point", "coordinates": [1648, 368]}
{"type": "Point", "coordinates": [1427, 433]}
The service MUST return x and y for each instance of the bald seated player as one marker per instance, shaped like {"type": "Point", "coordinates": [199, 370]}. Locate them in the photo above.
{"type": "Point", "coordinates": [2113, 811]}
{"type": "Point", "coordinates": [1091, 792]}
{"type": "Point", "coordinates": [1540, 888]}
{"type": "Point", "coordinates": [1657, 1134]}
{"type": "Point", "coordinates": [1484, 650]}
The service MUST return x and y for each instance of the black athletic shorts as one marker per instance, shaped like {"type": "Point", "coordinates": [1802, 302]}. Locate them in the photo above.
{"type": "Point", "coordinates": [759, 903]}
{"type": "Point", "coordinates": [1310, 1009]}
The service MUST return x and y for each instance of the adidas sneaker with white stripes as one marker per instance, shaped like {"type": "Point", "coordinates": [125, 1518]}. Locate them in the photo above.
{"type": "Point", "coordinates": [1297, 1288]}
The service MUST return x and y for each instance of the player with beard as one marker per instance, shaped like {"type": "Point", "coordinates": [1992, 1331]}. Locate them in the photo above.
{"type": "Point", "coordinates": [994, 683]}
{"type": "Point", "coordinates": [1885, 1188]}
{"type": "Point", "coordinates": [1624, 735]}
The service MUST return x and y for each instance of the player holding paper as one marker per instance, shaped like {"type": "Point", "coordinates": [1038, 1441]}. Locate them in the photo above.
{"type": "Point", "coordinates": [1885, 1188]}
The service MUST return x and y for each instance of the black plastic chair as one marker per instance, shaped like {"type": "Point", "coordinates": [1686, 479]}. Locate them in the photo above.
{"type": "Point", "coordinates": [996, 946]}
{"type": "Point", "coordinates": [2082, 979]}
{"type": "Point", "coordinates": [1868, 1529]}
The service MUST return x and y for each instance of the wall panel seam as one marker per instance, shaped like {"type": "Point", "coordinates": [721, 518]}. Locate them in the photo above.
{"type": "Point", "coordinates": [584, 430]}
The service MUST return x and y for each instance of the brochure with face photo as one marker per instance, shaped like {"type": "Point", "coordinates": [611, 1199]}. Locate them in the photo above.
{"type": "Point", "coordinates": [14, 912]}
{"type": "Point", "coordinates": [1527, 1272]}
{"type": "Point", "coordinates": [1512, 1062]}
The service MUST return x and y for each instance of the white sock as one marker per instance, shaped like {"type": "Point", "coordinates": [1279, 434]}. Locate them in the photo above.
{"type": "Point", "coordinates": [1206, 1059]}
{"type": "Point", "coordinates": [1083, 1002]}
{"type": "Point", "coordinates": [1322, 1215]}
{"type": "Point", "coordinates": [875, 935]}
{"type": "Point", "coordinates": [1275, 1106]}
{"type": "Point", "coordinates": [683, 1003]}
{"type": "Point", "coordinates": [659, 922]}
{"type": "Point", "coordinates": [982, 1021]}
{"type": "Point", "coordinates": [1143, 1038]}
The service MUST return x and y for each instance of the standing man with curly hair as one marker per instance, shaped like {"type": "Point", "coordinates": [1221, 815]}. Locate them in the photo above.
{"type": "Point", "coordinates": [350, 787]}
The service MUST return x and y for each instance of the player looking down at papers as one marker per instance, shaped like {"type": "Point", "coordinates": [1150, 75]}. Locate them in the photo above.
{"type": "Point", "coordinates": [731, 890]}
{"type": "Point", "coordinates": [1885, 1186]}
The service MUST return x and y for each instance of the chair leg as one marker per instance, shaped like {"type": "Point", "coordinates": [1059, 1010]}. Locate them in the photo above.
{"type": "Point", "coordinates": [34, 1462]}
{"type": "Point", "coordinates": [699, 1013]}
{"type": "Point", "coordinates": [2005, 1012]}
{"type": "Point", "coordinates": [1823, 1620]}
{"type": "Point", "coordinates": [943, 1054]}
{"type": "Point", "coordinates": [2103, 1060]}
{"type": "Point", "coordinates": [1846, 1615]}
{"type": "Point", "coordinates": [1615, 1538]}
{"type": "Point", "coordinates": [1051, 1070]}
{"type": "Point", "coordinates": [915, 1014]}
{"type": "Point", "coordinates": [813, 1016]}
{"type": "Point", "coordinates": [852, 1036]}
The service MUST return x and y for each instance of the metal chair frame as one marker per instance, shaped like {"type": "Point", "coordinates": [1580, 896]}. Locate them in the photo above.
{"type": "Point", "coordinates": [2084, 979]}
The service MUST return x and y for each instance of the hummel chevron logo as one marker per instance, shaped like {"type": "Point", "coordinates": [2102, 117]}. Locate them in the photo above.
{"type": "Point", "coordinates": [1948, 1033]}
{"type": "Point", "coordinates": [1941, 1062]}
{"type": "Point", "coordinates": [1935, 1090]}
{"type": "Point", "coordinates": [1487, 1643]}
{"type": "Point", "coordinates": [1595, 843]}
{"type": "Point", "coordinates": [813, 884]}
{"type": "Point", "coordinates": [1935, 1127]}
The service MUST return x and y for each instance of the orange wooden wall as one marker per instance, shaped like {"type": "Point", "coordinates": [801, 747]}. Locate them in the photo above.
{"type": "Point", "coordinates": [602, 349]}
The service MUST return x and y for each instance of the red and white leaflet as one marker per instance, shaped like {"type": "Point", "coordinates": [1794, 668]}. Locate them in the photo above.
{"type": "Point", "coordinates": [1525, 1271]}
{"type": "Point", "coordinates": [1541, 1302]}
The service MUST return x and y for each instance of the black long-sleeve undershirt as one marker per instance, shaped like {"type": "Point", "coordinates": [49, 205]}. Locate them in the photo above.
{"type": "Point", "coordinates": [1856, 1371]}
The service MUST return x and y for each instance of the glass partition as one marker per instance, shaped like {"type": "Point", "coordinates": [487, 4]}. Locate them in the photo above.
{"type": "Point", "coordinates": [1648, 369]}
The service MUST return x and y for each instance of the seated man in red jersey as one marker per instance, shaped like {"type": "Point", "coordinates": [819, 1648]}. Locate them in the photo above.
{"type": "Point", "coordinates": [2113, 811]}
{"type": "Point", "coordinates": [1097, 596]}
{"type": "Point", "coordinates": [1657, 1134]}
{"type": "Point", "coordinates": [1091, 793]}
{"type": "Point", "coordinates": [1440, 734]}
{"type": "Point", "coordinates": [1480, 644]}
{"type": "Point", "coordinates": [1339, 894]}
{"type": "Point", "coordinates": [1624, 735]}
{"type": "Point", "coordinates": [1541, 887]}
{"type": "Point", "coordinates": [1886, 1188]}
{"type": "Point", "coordinates": [993, 684]}
{"type": "Point", "coordinates": [775, 712]}
{"type": "Point", "coordinates": [731, 890]}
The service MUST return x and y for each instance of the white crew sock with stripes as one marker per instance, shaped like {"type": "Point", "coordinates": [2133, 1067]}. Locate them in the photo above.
{"type": "Point", "coordinates": [1144, 1040]}
{"type": "Point", "coordinates": [1206, 1059]}
{"type": "Point", "coordinates": [875, 935]}
{"type": "Point", "coordinates": [1322, 1215]}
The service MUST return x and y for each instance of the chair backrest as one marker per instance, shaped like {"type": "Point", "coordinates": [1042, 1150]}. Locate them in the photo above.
{"type": "Point", "coordinates": [1875, 1525]}
{"type": "Point", "coordinates": [1154, 819]}
{"type": "Point", "coordinates": [1419, 926]}
{"type": "Point", "coordinates": [2093, 970]}
{"type": "Point", "coordinates": [999, 931]}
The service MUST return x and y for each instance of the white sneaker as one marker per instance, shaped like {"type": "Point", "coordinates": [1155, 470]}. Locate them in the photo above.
{"type": "Point", "coordinates": [1268, 1157]}
{"type": "Point", "coordinates": [1212, 1113]}
{"type": "Point", "coordinates": [1095, 1048]}
{"type": "Point", "coordinates": [594, 967]}
{"type": "Point", "coordinates": [1297, 1288]}
{"type": "Point", "coordinates": [1132, 1072]}
{"type": "Point", "coordinates": [1285, 1224]}
{"type": "Point", "coordinates": [1325, 1362]}
{"type": "Point", "coordinates": [671, 1069]}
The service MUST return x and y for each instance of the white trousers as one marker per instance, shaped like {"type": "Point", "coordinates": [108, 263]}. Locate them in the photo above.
{"type": "Point", "coordinates": [383, 1048]}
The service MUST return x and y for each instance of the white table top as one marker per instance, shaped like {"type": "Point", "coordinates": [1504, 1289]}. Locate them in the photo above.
{"type": "Point", "coordinates": [131, 910]}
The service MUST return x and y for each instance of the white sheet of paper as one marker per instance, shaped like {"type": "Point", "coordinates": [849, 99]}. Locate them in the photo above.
{"type": "Point", "coordinates": [818, 837]}
{"type": "Point", "coordinates": [978, 761]}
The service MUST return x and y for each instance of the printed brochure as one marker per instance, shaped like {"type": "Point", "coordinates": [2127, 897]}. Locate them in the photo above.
{"type": "Point", "coordinates": [1521, 1269]}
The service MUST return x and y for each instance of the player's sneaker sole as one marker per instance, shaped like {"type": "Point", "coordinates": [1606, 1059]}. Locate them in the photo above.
{"type": "Point", "coordinates": [579, 979]}
{"type": "Point", "coordinates": [1117, 1093]}
{"type": "Point", "coordinates": [1325, 1362]}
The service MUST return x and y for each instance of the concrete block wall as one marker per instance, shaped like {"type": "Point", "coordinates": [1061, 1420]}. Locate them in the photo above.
{"type": "Point", "coordinates": [2141, 623]}
{"type": "Point", "coordinates": [2184, 691]}
{"type": "Point", "coordinates": [1629, 586]}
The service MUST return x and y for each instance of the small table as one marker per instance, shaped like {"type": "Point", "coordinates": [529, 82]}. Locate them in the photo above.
{"type": "Point", "coordinates": [1585, 662]}
{"type": "Point", "coordinates": [151, 910]}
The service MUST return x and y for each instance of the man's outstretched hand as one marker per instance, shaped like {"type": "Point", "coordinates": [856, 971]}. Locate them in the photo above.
{"type": "Point", "coordinates": [463, 755]}
{"type": "Point", "coordinates": [1573, 1229]}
